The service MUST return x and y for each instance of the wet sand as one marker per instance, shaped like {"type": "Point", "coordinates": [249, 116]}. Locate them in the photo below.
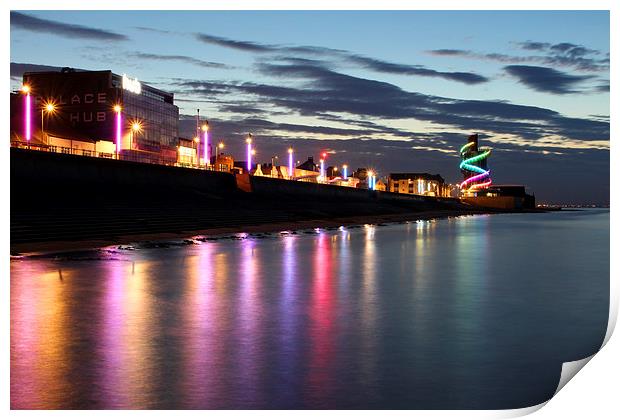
{"type": "Point", "coordinates": [65, 246]}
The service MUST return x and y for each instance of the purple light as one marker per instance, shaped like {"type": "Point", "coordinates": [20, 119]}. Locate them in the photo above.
{"type": "Point", "coordinates": [207, 158]}
{"type": "Point", "coordinates": [290, 163]}
{"type": "Point", "coordinates": [249, 142]}
{"type": "Point", "coordinates": [118, 131]}
{"type": "Point", "coordinates": [322, 169]}
{"type": "Point", "coordinates": [28, 118]}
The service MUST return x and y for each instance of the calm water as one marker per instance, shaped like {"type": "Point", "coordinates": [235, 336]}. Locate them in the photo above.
{"type": "Point", "coordinates": [471, 312]}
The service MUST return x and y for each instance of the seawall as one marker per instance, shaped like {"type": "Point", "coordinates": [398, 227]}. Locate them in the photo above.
{"type": "Point", "coordinates": [58, 198]}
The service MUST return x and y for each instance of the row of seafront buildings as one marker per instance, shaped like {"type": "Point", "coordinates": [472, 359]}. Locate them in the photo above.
{"type": "Point", "coordinates": [103, 114]}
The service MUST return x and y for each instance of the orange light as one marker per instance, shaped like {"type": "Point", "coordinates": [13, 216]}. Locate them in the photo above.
{"type": "Point", "coordinates": [26, 89]}
{"type": "Point", "coordinates": [221, 145]}
{"type": "Point", "coordinates": [50, 107]}
{"type": "Point", "coordinates": [248, 140]}
{"type": "Point", "coordinates": [196, 139]}
{"type": "Point", "coordinates": [117, 108]}
{"type": "Point", "coordinates": [253, 152]}
{"type": "Point", "coordinates": [205, 127]}
{"type": "Point", "coordinates": [136, 126]}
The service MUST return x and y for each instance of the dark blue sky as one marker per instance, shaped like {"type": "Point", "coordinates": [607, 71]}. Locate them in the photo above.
{"type": "Point", "coordinates": [396, 91]}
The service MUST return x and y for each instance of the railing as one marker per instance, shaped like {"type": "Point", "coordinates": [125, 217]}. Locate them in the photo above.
{"type": "Point", "coordinates": [127, 155]}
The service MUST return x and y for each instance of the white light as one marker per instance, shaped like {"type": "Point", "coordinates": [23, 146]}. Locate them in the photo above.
{"type": "Point", "coordinates": [132, 85]}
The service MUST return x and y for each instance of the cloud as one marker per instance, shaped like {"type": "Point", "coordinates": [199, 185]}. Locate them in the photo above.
{"type": "Point", "coordinates": [182, 58]}
{"type": "Point", "coordinates": [545, 79]}
{"type": "Point", "coordinates": [564, 54]}
{"type": "Point", "coordinates": [348, 57]}
{"type": "Point", "coordinates": [34, 24]}
{"type": "Point", "coordinates": [319, 91]}
{"type": "Point", "coordinates": [387, 67]}
{"type": "Point", "coordinates": [237, 45]}
{"type": "Point", "coordinates": [18, 69]}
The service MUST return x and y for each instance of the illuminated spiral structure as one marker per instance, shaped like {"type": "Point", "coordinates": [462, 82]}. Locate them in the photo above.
{"type": "Point", "coordinates": [474, 166]}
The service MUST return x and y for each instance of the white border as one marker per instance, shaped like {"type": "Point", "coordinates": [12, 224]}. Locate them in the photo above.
{"type": "Point", "coordinates": [593, 394]}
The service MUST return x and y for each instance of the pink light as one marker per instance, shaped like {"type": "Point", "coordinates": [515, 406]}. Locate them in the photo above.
{"type": "Point", "coordinates": [118, 131]}
{"type": "Point", "coordinates": [249, 157]}
{"type": "Point", "coordinates": [207, 158]}
{"type": "Point", "coordinates": [290, 163]}
{"type": "Point", "coordinates": [28, 118]}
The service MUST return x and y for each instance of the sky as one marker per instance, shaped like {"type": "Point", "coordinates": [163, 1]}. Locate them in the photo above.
{"type": "Point", "coordinates": [396, 91]}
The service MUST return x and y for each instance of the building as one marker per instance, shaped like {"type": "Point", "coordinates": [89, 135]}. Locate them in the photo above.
{"type": "Point", "coordinates": [418, 183]}
{"type": "Point", "coordinates": [101, 112]}
{"type": "Point", "coordinates": [476, 174]}
{"type": "Point", "coordinates": [505, 197]}
{"type": "Point", "coordinates": [477, 187]}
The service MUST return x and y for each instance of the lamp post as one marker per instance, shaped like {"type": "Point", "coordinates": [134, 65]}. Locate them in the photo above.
{"type": "Point", "coordinates": [248, 140]}
{"type": "Point", "coordinates": [205, 152]}
{"type": "Point", "coordinates": [27, 111]}
{"type": "Point", "coordinates": [197, 142]}
{"type": "Point", "coordinates": [291, 172]}
{"type": "Point", "coordinates": [118, 109]}
{"type": "Point", "coordinates": [49, 108]}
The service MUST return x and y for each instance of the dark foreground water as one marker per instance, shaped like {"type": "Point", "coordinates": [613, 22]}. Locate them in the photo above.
{"type": "Point", "coordinates": [470, 312]}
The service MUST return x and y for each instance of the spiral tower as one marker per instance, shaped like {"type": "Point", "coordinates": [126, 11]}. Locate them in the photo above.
{"type": "Point", "coordinates": [473, 166]}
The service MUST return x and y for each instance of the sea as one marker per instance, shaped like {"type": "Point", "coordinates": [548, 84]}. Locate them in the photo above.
{"type": "Point", "coordinates": [469, 312]}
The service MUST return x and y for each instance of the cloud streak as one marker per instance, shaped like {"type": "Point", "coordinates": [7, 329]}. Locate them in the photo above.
{"type": "Point", "coordinates": [67, 30]}
{"type": "Point", "coordinates": [563, 54]}
{"type": "Point", "coordinates": [380, 66]}
{"type": "Point", "coordinates": [181, 58]}
{"type": "Point", "coordinates": [545, 79]}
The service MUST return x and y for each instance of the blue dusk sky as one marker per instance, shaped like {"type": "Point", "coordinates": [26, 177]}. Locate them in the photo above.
{"type": "Point", "coordinates": [398, 91]}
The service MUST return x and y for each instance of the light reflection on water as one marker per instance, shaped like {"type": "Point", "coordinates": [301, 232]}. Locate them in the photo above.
{"type": "Point", "coordinates": [475, 312]}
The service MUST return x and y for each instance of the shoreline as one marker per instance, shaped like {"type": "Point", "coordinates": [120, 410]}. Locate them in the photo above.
{"type": "Point", "coordinates": [48, 247]}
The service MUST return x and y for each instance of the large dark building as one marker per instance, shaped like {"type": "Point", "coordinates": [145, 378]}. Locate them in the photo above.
{"type": "Point", "coordinates": [85, 108]}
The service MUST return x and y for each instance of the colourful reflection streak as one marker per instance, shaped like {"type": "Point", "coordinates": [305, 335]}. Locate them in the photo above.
{"type": "Point", "coordinates": [201, 322]}
{"type": "Point", "coordinates": [288, 320]}
{"type": "Point", "coordinates": [322, 330]}
{"type": "Point", "coordinates": [39, 339]}
{"type": "Point", "coordinates": [250, 307]}
{"type": "Point", "coordinates": [468, 165]}
{"type": "Point", "coordinates": [127, 348]}
{"type": "Point", "coordinates": [368, 308]}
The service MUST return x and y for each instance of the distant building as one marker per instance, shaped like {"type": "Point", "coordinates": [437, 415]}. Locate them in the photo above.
{"type": "Point", "coordinates": [380, 186]}
{"type": "Point", "coordinates": [224, 163]}
{"type": "Point", "coordinates": [309, 165]}
{"type": "Point", "coordinates": [419, 184]}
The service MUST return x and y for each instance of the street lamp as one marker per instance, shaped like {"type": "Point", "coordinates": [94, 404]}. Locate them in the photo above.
{"type": "Point", "coordinates": [50, 108]}
{"type": "Point", "coordinates": [118, 109]}
{"type": "Point", "coordinates": [205, 152]}
{"type": "Point", "coordinates": [248, 140]}
{"type": "Point", "coordinates": [290, 163]}
{"type": "Point", "coordinates": [371, 180]}
{"type": "Point", "coordinates": [218, 147]}
{"type": "Point", "coordinates": [136, 127]}
{"type": "Point", "coordinates": [27, 120]}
